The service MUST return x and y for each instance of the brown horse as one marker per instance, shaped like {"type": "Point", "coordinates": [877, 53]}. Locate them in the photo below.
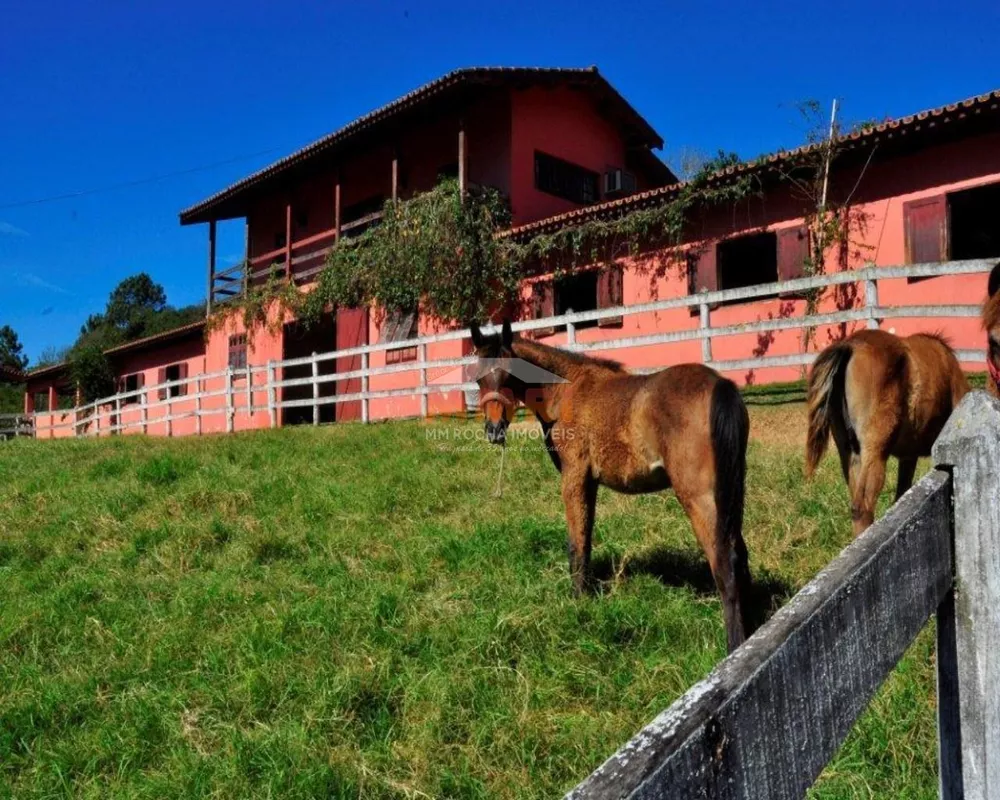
{"type": "Point", "coordinates": [991, 321]}
{"type": "Point", "coordinates": [684, 427]}
{"type": "Point", "coordinates": [880, 395]}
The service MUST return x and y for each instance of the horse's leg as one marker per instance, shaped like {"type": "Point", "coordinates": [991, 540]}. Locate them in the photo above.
{"type": "Point", "coordinates": [868, 480]}
{"type": "Point", "coordinates": [907, 469]}
{"type": "Point", "coordinates": [727, 560]}
{"type": "Point", "coordinates": [579, 493]}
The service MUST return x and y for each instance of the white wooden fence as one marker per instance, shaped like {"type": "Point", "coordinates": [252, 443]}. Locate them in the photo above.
{"type": "Point", "coordinates": [262, 385]}
{"type": "Point", "coordinates": [766, 721]}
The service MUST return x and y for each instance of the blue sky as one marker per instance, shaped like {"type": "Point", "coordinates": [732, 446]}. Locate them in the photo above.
{"type": "Point", "coordinates": [99, 94]}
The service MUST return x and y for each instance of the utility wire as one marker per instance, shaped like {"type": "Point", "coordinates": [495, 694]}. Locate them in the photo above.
{"type": "Point", "coordinates": [130, 184]}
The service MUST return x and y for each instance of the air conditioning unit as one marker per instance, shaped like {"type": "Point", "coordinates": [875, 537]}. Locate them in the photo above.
{"type": "Point", "coordinates": [618, 183]}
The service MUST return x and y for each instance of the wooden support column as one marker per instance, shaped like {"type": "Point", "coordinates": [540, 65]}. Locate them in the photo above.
{"type": "Point", "coordinates": [29, 402]}
{"type": "Point", "coordinates": [246, 257]}
{"type": "Point", "coordinates": [336, 209]}
{"type": "Point", "coordinates": [211, 267]}
{"type": "Point", "coordinates": [395, 175]}
{"type": "Point", "coordinates": [463, 178]}
{"type": "Point", "coordinates": [53, 404]}
{"type": "Point", "coordinates": [288, 240]}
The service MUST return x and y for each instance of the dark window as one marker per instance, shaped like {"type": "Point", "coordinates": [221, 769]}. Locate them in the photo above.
{"type": "Point", "coordinates": [577, 293]}
{"type": "Point", "coordinates": [747, 261]}
{"type": "Point", "coordinates": [175, 372]}
{"type": "Point", "coordinates": [301, 220]}
{"type": "Point", "coordinates": [280, 240]}
{"type": "Point", "coordinates": [400, 326]}
{"type": "Point", "coordinates": [132, 383]}
{"type": "Point", "coordinates": [563, 179]}
{"type": "Point", "coordinates": [238, 351]}
{"type": "Point", "coordinates": [974, 223]}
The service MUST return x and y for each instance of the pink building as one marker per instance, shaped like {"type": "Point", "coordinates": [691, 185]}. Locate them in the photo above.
{"type": "Point", "coordinates": [565, 147]}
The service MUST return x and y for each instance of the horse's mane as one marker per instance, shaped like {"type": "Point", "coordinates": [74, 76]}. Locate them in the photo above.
{"type": "Point", "coordinates": [555, 358]}
{"type": "Point", "coordinates": [991, 312]}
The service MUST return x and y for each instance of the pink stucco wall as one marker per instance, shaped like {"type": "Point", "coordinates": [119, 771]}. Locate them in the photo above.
{"type": "Point", "coordinates": [561, 123]}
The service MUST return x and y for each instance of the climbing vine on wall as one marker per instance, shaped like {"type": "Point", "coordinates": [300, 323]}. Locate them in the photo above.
{"type": "Point", "coordinates": [448, 254]}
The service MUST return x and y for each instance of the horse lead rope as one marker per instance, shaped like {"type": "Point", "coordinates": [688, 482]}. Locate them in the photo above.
{"type": "Point", "coordinates": [498, 492]}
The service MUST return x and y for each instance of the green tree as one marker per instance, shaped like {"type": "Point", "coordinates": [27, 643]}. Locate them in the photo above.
{"type": "Point", "coordinates": [11, 349]}
{"type": "Point", "coordinates": [133, 304]}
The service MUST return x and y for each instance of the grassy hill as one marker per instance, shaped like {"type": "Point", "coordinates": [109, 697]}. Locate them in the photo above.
{"type": "Point", "coordinates": [348, 611]}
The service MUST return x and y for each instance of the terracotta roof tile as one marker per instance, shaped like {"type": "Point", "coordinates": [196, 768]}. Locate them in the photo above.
{"type": "Point", "coordinates": [882, 131]}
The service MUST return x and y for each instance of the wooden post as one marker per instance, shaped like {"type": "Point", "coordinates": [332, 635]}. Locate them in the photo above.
{"type": "Point", "coordinates": [336, 209]}
{"type": "Point", "coordinates": [364, 387]}
{"type": "Point", "coordinates": [871, 302]}
{"type": "Point", "coordinates": [170, 412]}
{"type": "Point", "coordinates": [315, 374]}
{"type": "Point", "coordinates": [199, 388]}
{"type": "Point", "coordinates": [246, 257]}
{"type": "Point", "coordinates": [118, 414]}
{"type": "Point", "coordinates": [462, 165]}
{"type": "Point", "coordinates": [288, 240]}
{"type": "Point", "coordinates": [230, 412]}
{"type": "Point", "coordinates": [211, 267]}
{"type": "Point", "coordinates": [969, 619]}
{"type": "Point", "coordinates": [422, 357]}
{"type": "Point", "coordinates": [97, 420]}
{"type": "Point", "coordinates": [706, 343]}
{"type": "Point", "coordinates": [395, 175]}
{"type": "Point", "coordinates": [272, 397]}
{"type": "Point", "coordinates": [570, 331]}
{"type": "Point", "coordinates": [53, 404]}
{"type": "Point", "coordinates": [144, 411]}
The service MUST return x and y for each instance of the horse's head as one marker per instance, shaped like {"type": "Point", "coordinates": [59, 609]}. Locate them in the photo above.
{"type": "Point", "coordinates": [496, 397]}
{"type": "Point", "coordinates": [991, 321]}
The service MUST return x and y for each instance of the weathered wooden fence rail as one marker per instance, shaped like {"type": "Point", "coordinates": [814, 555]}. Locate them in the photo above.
{"type": "Point", "coordinates": [262, 389]}
{"type": "Point", "coordinates": [767, 720]}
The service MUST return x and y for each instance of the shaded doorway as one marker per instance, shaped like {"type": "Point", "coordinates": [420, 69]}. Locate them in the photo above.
{"type": "Point", "coordinates": [301, 341]}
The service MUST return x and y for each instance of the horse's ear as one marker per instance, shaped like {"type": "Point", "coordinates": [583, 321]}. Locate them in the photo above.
{"type": "Point", "coordinates": [507, 335]}
{"type": "Point", "coordinates": [994, 282]}
{"type": "Point", "coordinates": [477, 336]}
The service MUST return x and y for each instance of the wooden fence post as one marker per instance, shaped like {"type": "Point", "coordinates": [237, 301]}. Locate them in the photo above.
{"type": "Point", "coordinates": [871, 302]}
{"type": "Point", "coordinates": [118, 415]}
{"type": "Point", "coordinates": [364, 387]}
{"type": "Point", "coordinates": [422, 357]}
{"type": "Point", "coordinates": [570, 331]}
{"type": "Point", "coordinates": [249, 396]}
{"type": "Point", "coordinates": [230, 410]}
{"type": "Point", "coordinates": [969, 619]}
{"type": "Point", "coordinates": [705, 323]}
{"type": "Point", "coordinates": [315, 374]}
{"type": "Point", "coordinates": [143, 411]}
{"type": "Point", "coordinates": [272, 394]}
{"type": "Point", "coordinates": [199, 388]}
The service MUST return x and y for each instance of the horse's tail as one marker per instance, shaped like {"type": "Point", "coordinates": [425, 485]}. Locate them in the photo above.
{"type": "Point", "coordinates": [730, 425]}
{"type": "Point", "coordinates": [824, 399]}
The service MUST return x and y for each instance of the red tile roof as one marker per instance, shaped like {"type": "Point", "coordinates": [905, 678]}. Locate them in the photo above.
{"type": "Point", "coordinates": [924, 122]}
{"type": "Point", "coordinates": [128, 347]}
{"type": "Point", "coordinates": [588, 78]}
{"type": "Point", "coordinates": [10, 375]}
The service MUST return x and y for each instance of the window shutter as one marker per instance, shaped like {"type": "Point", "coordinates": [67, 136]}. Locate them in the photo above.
{"type": "Point", "coordinates": [182, 373]}
{"type": "Point", "coordinates": [793, 250]}
{"type": "Point", "coordinates": [925, 228]}
{"type": "Point", "coordinates": [542, 305]}
{"type": "Point", "coordinates": [161, 378]}
{"type": "Point", "coordinates": [702, 273]}
{"type": "Point", "coordinates": [610, 294]}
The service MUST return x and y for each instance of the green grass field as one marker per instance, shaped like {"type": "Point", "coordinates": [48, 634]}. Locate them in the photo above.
{"type": "Point", "coordinates": [349, 612]}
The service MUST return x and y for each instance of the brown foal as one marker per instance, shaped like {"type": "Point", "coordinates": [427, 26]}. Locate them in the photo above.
{"type": "Point", "coordinates": [685, 427]}
{"type": "Point", "coordinates": [991, 322]}
{"type": "Point", "coordinates": [880, 395]}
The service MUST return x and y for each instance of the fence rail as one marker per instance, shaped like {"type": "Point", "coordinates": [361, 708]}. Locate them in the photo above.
{"type": "Point", "coordinates": [767, 720]}
{"type": "Point", "coordinates": [264, 389]}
